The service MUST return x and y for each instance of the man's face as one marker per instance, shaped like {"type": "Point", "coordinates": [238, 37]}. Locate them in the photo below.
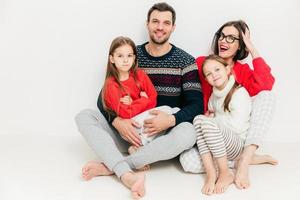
{"type": "Point", "coordinates": [160, 26]}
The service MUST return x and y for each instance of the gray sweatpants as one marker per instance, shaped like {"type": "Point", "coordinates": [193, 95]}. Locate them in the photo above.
{"type": "Point", "coordinates": [109, 146]}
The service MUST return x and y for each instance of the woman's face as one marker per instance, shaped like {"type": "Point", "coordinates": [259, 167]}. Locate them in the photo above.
{"type": "Point", "coordinates": [228, 42]}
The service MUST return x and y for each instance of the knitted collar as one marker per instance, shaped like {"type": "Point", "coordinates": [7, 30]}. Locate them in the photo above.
{"type": "Point", "coordinates": [163, 57]}
{"type": "Point", "coordinates": [226, 89]}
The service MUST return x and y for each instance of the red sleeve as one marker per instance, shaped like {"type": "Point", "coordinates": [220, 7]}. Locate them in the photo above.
{"type": "Point", "coordinates": [148, 87]}
{"type": "Point", "coordinates": [256, 80]}
{"type": "Point", "coordinates": [112, 100]}
{"type": "Point", "coordinates": [206, 88]}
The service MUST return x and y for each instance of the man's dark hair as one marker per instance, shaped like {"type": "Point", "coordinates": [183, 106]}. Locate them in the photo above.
{"type": "Point", "coordinates": [162, 7]}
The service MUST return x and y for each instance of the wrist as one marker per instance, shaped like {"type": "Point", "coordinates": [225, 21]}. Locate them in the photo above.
{"type": "Point", "coordinates": [115, 121]}
{"type": "Point", "coordinates": [253, 52]}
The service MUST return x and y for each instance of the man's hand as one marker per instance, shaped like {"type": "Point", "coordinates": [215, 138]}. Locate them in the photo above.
{"type": "Point", "coordinates": [127, 130]}
{"type": "Point", "coordinates": [160, 122]}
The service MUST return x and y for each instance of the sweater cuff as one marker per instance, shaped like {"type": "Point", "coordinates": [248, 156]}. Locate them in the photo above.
{"type": "Point", "coordinates": [258, 61]}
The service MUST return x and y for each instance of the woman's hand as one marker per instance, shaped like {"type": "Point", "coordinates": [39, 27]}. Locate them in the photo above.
{"type": "Point", "coordinates": [127, 100]}
{"type": "Point", "coordinates": [249, 46]}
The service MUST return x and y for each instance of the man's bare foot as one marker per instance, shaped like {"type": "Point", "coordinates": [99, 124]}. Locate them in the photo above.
{"type": "Point", "coordinates": [263, 159]}
{"type": "Point", "coordinates": [95, 168]}
{"type": "Point", "coordinates": [223, 181]}
{"type": "Point", "coordinates": [209, 184]}
{"type": "Point", "coordinates": [133, 149]}
{"type": "Point", "coordinates": [136, 183]}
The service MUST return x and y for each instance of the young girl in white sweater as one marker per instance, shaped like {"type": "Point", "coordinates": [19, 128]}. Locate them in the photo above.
{"type": "Point", "coordinates": [221, 131]}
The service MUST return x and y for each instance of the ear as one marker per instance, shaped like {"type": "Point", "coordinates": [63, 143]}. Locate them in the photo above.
{"type": "Point", "coordinates": [173, 28]}
{"type": "Point", "coordinates": [111, 58]}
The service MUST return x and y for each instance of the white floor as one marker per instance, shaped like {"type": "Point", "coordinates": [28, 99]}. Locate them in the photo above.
{"type": "Point", "coordinates": [47, 167]}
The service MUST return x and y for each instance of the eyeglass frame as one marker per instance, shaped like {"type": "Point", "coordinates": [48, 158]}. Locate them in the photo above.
{"type": "Point", "coordinates": [221, 36]}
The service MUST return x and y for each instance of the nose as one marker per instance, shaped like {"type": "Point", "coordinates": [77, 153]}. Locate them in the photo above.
{"type": "Point", "coordinates": [160, 26]}
{"type": "Point", "coordinates": [213, 74]}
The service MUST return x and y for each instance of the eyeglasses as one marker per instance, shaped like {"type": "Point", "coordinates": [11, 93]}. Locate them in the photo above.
{"type": "Point", "coordinates": [228, 38]}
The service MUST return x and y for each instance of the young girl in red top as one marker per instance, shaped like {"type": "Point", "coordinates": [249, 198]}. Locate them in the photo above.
{"type": "Point", "coordinates": [232, 43]}
{"type": "Point", "coordinates": [128, 92]}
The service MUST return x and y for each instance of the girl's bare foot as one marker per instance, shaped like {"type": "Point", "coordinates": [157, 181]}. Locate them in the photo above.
{"type": "Point", "coordinates": [209, 185]}
{"type": "Point", "coordinates": [263, 159]}
{"type": "Point", "coordinates": [133, 149]}
{"type": "Point", "coordinates": [224, 180]}
{"type": "Point", "coordinates": [135, 182]}
{"type": "Point", "coordinates": [242, 175]}
{"type": "Point", "coordinates": [95, 168]}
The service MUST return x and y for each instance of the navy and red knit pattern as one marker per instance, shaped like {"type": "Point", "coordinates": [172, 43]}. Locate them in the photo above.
{"type": "Point", "coordinates": [175, 77]}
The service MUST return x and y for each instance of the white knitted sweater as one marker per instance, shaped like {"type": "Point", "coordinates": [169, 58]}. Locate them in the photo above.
{"type": "Point", "coordinates": [238, 119]}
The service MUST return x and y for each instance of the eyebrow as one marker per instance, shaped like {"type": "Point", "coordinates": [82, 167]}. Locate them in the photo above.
{"type": "Point", "coordinates": [155, 19]}
{"type": "Point", "coordinates": [230, 34]}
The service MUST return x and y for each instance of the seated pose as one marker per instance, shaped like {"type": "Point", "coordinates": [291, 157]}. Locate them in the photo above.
{"type": "Point", "coordinates": [128, 92]}
{"type": "Point", "coordinates": [221, 132]}
{"type": "Point", "coordinates": [174, 74]}
{"type": "Point", "coordinates": [232, 43]}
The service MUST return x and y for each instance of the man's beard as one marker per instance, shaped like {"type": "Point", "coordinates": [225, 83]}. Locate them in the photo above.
{"type": "Point", "coordinates": [159, 42]}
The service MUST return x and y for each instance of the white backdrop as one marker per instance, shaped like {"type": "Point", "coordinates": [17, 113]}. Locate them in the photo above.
{"type": "Point", "coordinates": [53, 54]}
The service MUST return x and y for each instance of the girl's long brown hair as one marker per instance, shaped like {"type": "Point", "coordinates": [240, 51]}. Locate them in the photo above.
{"type": "Point", "coordinates": [111, 70]}
{"type": "Point", "coordinates": [235, 86]}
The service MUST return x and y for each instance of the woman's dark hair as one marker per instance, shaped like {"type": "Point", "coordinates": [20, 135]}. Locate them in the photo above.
{"type": "Point", "coordinates": [233, 88]}
{"type": "Point", "coordinates": [241, 26]}
{"type": "Point", "coordinates": [162, 7]}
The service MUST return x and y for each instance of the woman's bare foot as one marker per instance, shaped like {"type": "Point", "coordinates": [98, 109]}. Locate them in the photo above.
{"type": "Point", "coordinates": [133, 149]}
{"type": "Point", "coordinates": [263, 159]}
{"type": "Point", "coordinates": [223, 181]}
{"type": "Point", "coordinates": [242, 169]}
{"type": "Point", "coordinates": [209, 184]}
{"type": "Point", "coordinates": [136, 183]}
{"type": "Point", "coordinates": [94, 168]}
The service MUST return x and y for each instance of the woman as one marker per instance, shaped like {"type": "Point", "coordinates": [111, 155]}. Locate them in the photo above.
{"type": "Point", "coordinates": [232, 43]}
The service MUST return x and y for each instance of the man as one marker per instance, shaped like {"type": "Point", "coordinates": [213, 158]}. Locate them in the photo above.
{"type": "Point", "coordinates": [175, 77]}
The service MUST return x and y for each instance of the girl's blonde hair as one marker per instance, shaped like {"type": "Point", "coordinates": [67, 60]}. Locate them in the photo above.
{"type": "Point", "coordinates": [235, 86]}
{"type": "Point", "coordinates": [112, 72]}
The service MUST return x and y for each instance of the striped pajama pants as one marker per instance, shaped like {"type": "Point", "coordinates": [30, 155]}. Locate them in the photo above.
{"type": "Point", "coordinates": [217, 139]}
{"type": "Point", "coordinates": [263, 107]}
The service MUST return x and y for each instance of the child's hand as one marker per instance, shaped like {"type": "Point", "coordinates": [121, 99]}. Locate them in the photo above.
{"type": "Point", "coordinates": [127, 100]}
{"type": "Point", "coordinates": [143, 94]}
{"type": "Point", "coordinates": [209, 114]}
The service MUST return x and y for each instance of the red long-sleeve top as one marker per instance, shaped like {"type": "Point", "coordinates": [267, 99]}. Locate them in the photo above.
{"type": "Point", "coordinates": [256, 80]}
{"type": "Point", "coordinates": [139, 103]}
